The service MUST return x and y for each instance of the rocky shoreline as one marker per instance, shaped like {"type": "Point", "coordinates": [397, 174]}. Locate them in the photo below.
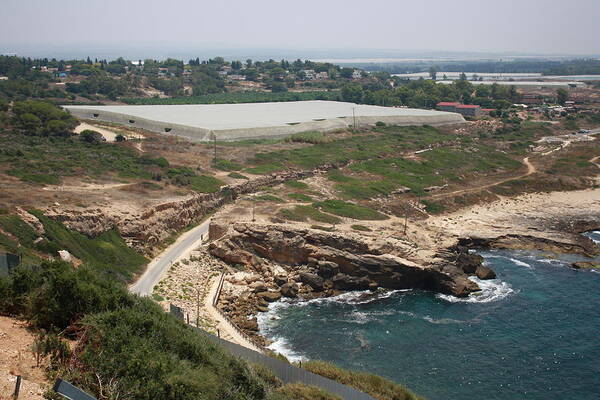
{"type": "Point", "coordinates": [290, 262]}
{"type": "Point", "coordinates": [293, 262]}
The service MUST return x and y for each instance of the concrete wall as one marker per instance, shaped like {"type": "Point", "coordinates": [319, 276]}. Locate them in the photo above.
{"type": "Point", "coordinates": [195, 134]}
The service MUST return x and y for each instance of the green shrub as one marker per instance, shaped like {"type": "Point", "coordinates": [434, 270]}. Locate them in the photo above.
{"type": "Point", "coordinates": [227, 165]}
{"type": "Point", "coordinates": [267, 197]}
{"type": "Point", "coordinates": [376, 386]}
{"type": "Point", "coordinates": [265, 169]}
{"type": "Point", "coordinates": [349, 210]}
{"type": "Point", "coordinates": [361, 228]}
{"type": "Point", "coordinates": [432, 207]}
{"type": "Point", "coordinates": [300, 197]}
{"type": "Point", "coordinates": [296, 184]}
{"type": "Point", "coordinates": [312, 137]}
{"type": "Point", "coordinates": [303, 213]}
{"type": "Point", "coordinates": [236, 175]}
{"type": "Point", "coordinates": [298, 391]}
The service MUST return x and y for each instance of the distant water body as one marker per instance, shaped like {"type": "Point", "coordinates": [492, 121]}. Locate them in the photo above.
{"type": "Point", "coordinates": [532, 334]}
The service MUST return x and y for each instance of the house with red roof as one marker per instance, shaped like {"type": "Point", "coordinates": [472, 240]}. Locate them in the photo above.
{"type": "Point", "coordinates": [470, 110]}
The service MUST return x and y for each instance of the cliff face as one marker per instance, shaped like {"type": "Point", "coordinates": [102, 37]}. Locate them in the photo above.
{"type": "Point", "coordinates": [146, 230]}
{"type": "Point", "coordinates": [331, 261]}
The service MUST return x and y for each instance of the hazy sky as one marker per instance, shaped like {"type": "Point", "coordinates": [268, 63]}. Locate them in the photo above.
{"type": "Point", "coordinates": [526, 26]}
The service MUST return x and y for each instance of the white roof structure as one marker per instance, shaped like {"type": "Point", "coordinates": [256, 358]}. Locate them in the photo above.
{"type": "Point", "coordinates": [199, 122]}
{"type": "Point", "coordinates": [527, 84]}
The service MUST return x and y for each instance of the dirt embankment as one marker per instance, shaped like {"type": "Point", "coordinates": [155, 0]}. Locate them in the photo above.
{"type": "Point", "coordinates": [17, 358]}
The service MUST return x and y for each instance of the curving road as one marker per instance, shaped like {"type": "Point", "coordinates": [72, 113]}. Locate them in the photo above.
{"type": "Point", "coordinates": [180, 249]}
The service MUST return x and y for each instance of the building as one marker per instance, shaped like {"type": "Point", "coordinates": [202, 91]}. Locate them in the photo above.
{"type": "Point", "coordinates": [237, 77]}
{"type": "Point", "coordinates": [309, 74]}
{"type": "Point", "coordinates": [356, 74]}
{"type": "Point", "coordinates": [8, 262]}
{"type": "Point", "coordinates": [470, 110]}
{"type": "Point", "coordinates": [163, 71]}
{"type": "Point", "coordinates": [322, 76]}
{"type": "Point", "coordinates": [449, 106]}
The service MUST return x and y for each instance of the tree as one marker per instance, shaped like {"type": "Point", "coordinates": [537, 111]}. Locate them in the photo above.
{"type": "Point", "coordinates": [433, 72]}
{"type": "Point", "coordinates": [91, 136]}
{"type": "Point", "coordinates": [352, 93]}
{"type": "Point", "coordinates": [278, 87]}
{"type": "Point", "coordinates": [346, 73]}
{"type": "Point", "coordinates": [463, 76]}
{"type": "Point", "coordinates": [562, 96]}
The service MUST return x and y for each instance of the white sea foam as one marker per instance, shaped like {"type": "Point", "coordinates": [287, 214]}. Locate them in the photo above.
{"type": "Point", "coordinates": [491, 290]}
{"type": "Point", "coordinates": [596, 233]}
{"type": "Point", "coordinates": [519, 262]}
{"type": "Point", "coordinates": [281, 345]}
{"type": "Point", "coordinates": [442, 321]}
{"type": "Point", "coordinates": [514, 260]}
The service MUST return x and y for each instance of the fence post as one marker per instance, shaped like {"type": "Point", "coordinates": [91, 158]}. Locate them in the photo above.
{"type": "Point", "coordinates": [17, 387]}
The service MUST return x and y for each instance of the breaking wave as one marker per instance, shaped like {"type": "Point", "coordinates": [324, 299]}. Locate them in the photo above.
{"type": "Point", "coordinates": [491, 290]}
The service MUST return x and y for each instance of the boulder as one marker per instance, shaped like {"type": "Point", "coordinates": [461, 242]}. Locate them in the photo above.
{"type": "Point", "coordinates": [484, 272]}
{"type": "Point", "coordinates": [269, 296]}
{"type": "Point", "coordinates": [312, 280]}
{"type": "Point", "coordinates": [346, 282]}
{"type": "Point", "coordinates": [289, 290]}
{"type": "Point", "coordinates": [585, 265]}
{"type": "Point", "coordinates": [280, 279]}
{"type": "Point", "coordinates": [469, 262]}
{"type": "Point", "coordinates": [262, 308]}
{"type": "Point", "coordinates": [65, 255]}
{"type": "Point", "coordinates": [328, 269]}
{"type": "Point", "coordinates": [259, 286]}
{"type": "Point", "coordinates": [248, 324]}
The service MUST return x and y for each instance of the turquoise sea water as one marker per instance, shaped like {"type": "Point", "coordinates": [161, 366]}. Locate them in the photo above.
{"type": "Point", "coordinates": [534, 333]}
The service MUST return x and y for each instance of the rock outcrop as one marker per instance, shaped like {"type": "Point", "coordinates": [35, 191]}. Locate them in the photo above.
{"type": "Point", "coordinates": [323, 261]}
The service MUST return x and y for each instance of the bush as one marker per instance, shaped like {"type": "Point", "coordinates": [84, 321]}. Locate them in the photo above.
{"type": "Point", "coordinates": [361, 228]}
{"type": "Point", "coordinates": [298, 391]}
{"type": "Point", "coordinates": [349, 210]}
{"type": "Point", "coordinates": [227, 165]}
{"type": "Point", "coordinates": [91, 136]}
{"type": "Point", "coordinates": [302, 213]}
{"type": "Point", "coordinates": [236, 175]}
{"type": "Point", "coordinates": [376, 386]}
{"type": "Point", "coordinates": [120, 138]}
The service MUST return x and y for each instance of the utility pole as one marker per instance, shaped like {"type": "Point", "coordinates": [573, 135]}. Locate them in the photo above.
{"type": "Point", "coordinates": [215, 145]}
{"type": "Point", "coordinates": [405, 218]}
{"type": "Point", "coordinates": [354, 116]}
{"type": "Point", "coordinates": [197, 306]}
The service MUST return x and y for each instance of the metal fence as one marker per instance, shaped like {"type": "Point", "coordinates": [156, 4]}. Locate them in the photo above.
{"type": "Point", "coordinates": [286, 372]}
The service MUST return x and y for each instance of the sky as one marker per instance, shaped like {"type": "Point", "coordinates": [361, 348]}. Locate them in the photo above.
{"type": "Point", "coordinates": [361, 28]}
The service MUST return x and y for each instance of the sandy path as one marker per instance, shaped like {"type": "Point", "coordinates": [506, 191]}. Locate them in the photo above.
{"type": "Point", "coordinates": [226, 330]}
{"type": "Point", "coordinates": [530, 170]}
{"type": "Point", "coordinates": [85, 187]}
{"type": "Point", "coordinates": [110, 136]}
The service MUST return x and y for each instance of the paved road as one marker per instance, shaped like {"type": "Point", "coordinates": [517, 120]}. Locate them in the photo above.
{"type": "Point", "coordinates": [180, 249]}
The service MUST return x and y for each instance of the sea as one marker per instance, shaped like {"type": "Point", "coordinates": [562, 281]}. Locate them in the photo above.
{"type": "Point", "coordinates": [532, 333]}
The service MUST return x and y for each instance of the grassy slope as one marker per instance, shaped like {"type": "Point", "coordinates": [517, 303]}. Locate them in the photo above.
{"type": "Point", "coordinates": [107, 252]}
{"type": "Point", "coordinates": [45, 160]}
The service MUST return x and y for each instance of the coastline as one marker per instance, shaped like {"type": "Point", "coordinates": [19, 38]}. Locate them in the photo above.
{"type": "Point", "coordinates": [543, 221]}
